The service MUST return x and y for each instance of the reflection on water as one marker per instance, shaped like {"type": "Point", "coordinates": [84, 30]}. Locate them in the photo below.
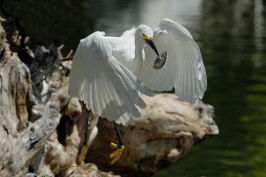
{"type": "Point", "coordinates": [231, 35]}
{"type": "Point", "coordinates": [149, 12]}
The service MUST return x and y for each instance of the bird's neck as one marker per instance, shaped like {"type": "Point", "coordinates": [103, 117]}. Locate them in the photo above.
{"type": "Point", "coordinates": [138, 60]}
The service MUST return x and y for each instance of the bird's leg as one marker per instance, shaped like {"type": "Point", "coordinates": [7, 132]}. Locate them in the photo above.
{"type": "Point", "coordinates": [119, 148]}
{"type": "Point", "coordinates": [88, 122]}
{"type": "Point", "coordinates": [84, 149]}
{"type": "Point", "coordinates": [82, 154]}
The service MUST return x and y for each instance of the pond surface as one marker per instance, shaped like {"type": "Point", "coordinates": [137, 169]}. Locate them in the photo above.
{"type": "Point", "coordinates": [232, 38]}
{"type": "Point", "coordinates": [232, 41]}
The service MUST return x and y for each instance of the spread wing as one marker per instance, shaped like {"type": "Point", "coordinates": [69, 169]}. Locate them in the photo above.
{"type": "Point", "coordinates": [107, 88]}
{"type": "Point", "coordinates": [184, 69]}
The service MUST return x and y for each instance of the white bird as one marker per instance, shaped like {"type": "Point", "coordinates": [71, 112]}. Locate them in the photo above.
{"type": "Point", "coordinates": [108, 73]}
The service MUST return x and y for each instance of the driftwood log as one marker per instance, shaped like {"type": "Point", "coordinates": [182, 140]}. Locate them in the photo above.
{"type": "Point", "coordinates": [164, 134]}
{"type": "Point", "coordinates": [42, 128]}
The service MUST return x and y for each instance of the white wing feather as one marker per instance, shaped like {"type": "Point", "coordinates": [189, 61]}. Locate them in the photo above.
{"type": "Point", "coordinates": [184, 69]}
{"type": "Point", "coordinates": [108, 89]}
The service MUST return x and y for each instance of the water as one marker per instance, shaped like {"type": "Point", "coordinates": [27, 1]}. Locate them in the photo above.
{"type": "Point", "coordinates": [232, 42]}
{"type": "Point", "coordinates": [231, 36]}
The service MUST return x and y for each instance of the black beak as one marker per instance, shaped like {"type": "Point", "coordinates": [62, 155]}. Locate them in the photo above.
{"type": "Point", "coordinates": [150, 42]}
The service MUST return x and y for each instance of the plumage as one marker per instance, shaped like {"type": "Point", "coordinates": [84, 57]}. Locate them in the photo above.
{"type": "Point", "coordinates": [184, 69]}
{"type": "Point", "coordinates": [108, 88]}
{"type": "Point", "coordinates": [109, 73]}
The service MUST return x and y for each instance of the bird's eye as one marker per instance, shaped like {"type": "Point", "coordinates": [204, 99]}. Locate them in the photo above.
{"type": "Point", "coordinates": [146, 37]}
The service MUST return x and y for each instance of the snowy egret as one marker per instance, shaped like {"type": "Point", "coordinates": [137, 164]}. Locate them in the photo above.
{"type": "Point", "coordinates": [108, 73]}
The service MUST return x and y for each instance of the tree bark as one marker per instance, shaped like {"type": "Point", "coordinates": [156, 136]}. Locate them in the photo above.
{"type": "Point", "coordinates": [25, 125]}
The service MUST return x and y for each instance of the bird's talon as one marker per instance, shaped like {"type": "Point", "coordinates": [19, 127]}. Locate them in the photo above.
{"type": "Point", "coordinates": [113, 145]}
{"type": "Point", "coordinates": [83, 153]}
{"type": "Point", "coordinates": [118, 152]}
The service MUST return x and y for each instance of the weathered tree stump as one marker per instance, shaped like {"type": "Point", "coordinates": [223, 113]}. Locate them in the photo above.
{"type": "Point", "coordinates": [166, 131]}
{"type": "Point", "coordinates": [42, 128]}
{"type": "Point", "coordinates": [25, 126]}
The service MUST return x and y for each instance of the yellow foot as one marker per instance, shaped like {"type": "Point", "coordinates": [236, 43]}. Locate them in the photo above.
{"type": "Point", "coordinates": [118, 152]}
{"type": "Point", "coordinates": [82, 154]}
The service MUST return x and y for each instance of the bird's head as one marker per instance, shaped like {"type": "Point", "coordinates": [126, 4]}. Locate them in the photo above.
{"type": "Point", "coordinates": [146, 33]}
